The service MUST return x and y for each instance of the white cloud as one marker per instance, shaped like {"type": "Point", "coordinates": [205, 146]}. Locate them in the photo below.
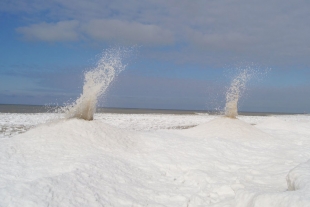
{"type": "Point", "coordinates": [99, 29]}
{"type": "Point", "coordinates": [128, 32]}
{"type": "Point", "coordinates": [51, 32]}
{"type": "Point", "coordinates": [260, 31]}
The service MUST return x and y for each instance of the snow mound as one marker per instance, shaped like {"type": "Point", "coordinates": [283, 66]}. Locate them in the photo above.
{"type": "Point", "coordinates": [227, 128]}
{"type": "Point", "coordinates": [52, 148]}
{"type": "Point", "coordinates": [73, 135]}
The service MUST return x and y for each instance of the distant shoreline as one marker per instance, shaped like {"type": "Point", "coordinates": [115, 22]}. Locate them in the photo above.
{"type": "Point", "coordinates": [23, 108]}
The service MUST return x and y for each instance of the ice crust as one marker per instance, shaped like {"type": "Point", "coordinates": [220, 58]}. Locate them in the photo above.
{"type": "Point", "coordinates": [156, 160]}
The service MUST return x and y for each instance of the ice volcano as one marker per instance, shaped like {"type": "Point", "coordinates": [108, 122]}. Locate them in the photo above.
{"type": "Point", "coordinates": [70, 162]}
{"type": "Point", "coordinates": [227, 128]}
{"type": "Point", "coordinates": [60, 144]}
{"type": "Point", "coordinates": [96, 82]}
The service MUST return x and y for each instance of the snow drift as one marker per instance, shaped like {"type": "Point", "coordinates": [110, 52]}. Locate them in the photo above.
{"type": "Point", "coordinates": [223, 162]}
{"type": "Point", "coordinates": [297, 195]}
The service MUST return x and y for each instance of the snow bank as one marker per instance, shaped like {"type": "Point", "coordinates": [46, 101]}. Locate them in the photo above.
{"type": "Point", "coordinates": [299, 178]}
{"type": "Point", "coordinates": [297, 195]}
{"type": "Point", "coordinates": [221, 162]}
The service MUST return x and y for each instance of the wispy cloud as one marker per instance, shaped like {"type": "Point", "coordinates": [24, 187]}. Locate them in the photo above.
{"type": "Point", "coordinates": [128, 32]}
{"type": "Point", "coordinates": [51, 32]}
{"type": "Point", "coordinates": [113, 31]}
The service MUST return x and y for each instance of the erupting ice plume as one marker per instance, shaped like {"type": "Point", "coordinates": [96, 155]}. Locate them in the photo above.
{"type": "Point", "coordinates": [235, 91]}
{"type": "Point", "coordinates": [96, 82]}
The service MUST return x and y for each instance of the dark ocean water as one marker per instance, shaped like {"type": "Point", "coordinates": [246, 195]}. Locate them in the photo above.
{"type": "Point", "coordinates": [12, 108]}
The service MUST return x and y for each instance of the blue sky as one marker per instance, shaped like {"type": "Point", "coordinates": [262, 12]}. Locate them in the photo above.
{"type": "Point", "coordinates": [186, 52]}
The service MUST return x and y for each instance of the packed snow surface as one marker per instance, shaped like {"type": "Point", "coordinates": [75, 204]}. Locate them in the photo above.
{"type": "Point", "coordinates": [155, 160]}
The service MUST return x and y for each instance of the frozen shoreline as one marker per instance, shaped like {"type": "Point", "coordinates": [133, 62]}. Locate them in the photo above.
{"type": "Point", "coordinates": [12, 124]}
{"type": "Point", "coordinates": [148, 159]}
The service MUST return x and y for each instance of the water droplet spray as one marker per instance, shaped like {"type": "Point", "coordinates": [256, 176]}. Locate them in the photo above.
{"type": "Point", "coordinates": [96, 82]}
{"type": "Point", "coordinates": [235, 91]}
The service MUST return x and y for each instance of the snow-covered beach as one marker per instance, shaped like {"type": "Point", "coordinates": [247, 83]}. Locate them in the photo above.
{"type": "Point", "coordinates": [77, 157]}
{"type": "Point", "coordinates": [154, 103]}
{"type": "Point", "coordinates": [155, 160]}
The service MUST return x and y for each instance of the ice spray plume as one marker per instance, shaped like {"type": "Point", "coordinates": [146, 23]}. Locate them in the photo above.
{"type": "Point", "coordinates": [235, 91]}
{"type": "Point", "coordinates": [96, 82]}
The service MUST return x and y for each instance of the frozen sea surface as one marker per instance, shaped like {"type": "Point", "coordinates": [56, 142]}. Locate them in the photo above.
{"type": "Point", "coordinates": [155, 160]}
{"type": "Point", "coordinates": [12, 124]}
{"type": "Point", "coordinates": [15, 123]}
